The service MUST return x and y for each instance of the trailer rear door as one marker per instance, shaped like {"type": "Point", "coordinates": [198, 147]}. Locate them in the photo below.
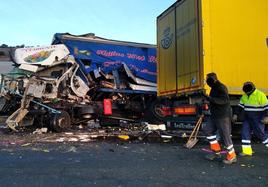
{"type": "Point", "coordinates": [180, 67]}
{"type": "Point", "coordinates": [166, 54]}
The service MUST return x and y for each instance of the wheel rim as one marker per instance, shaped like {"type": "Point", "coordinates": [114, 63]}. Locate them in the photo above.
{"type": "Point", "coordinates": [61, 121]}
{"type": "Point", "coordinates": [158, 110]}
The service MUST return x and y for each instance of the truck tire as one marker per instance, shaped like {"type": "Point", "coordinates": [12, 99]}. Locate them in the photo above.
{"type": "Point", "coordinates": [153, 112]}
{"type": "Point", "coordinates": [60, 122]}
{"type": "Point", "coordinates": [86, 112]}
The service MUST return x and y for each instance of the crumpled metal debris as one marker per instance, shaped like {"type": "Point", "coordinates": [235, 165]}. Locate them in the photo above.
{"type": "Point", "coordinates": [41, 131]}
{"type": "Point", "coordinates": [154, 127]}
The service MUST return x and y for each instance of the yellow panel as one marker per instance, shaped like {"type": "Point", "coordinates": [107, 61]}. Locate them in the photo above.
{"type": "Point", "coordinates": [235, 36]}
{"type": "Point", "coordinates": [166, 53]}
{"type": "Point", "coordinates": [188, 48]}
{"type": "Point", "coordinates": [234, 44]}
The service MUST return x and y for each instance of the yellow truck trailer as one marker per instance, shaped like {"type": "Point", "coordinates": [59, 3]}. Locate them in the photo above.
{"type": "Point", "coordinates": [195, 37]}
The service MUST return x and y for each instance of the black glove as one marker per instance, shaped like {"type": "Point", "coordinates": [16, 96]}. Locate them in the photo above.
{"type": "Point", "coordinates": [206, 97]}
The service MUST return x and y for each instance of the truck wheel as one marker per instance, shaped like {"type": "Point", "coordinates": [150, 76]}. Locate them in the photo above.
{"type": "Point", "coordinates": [153, 113]}
{"type": "Point", "coordinates": [86, 112]}
{"type": "Point", "coordinates": [60, 122]}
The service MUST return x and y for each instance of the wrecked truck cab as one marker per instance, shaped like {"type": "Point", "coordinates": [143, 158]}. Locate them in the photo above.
{"type": "Point", "coordinates": [80, 78]}
{"type": "Point", "coordinates": [47, 93]}
{"type": "Point", "coordinates": [121, 72]}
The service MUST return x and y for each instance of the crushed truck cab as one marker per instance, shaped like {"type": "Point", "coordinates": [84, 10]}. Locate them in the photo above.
{"type": "Point", "coordinates": [42, 89]}
{"type": "Point", "coordinates": [77, 79]}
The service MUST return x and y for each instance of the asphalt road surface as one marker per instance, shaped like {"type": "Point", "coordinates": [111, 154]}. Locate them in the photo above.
{"type": "Point", "coordinates": [25, 162]}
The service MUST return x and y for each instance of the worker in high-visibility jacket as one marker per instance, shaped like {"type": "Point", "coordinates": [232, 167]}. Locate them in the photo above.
{"type": "Point", "coordinates": [255, 105]}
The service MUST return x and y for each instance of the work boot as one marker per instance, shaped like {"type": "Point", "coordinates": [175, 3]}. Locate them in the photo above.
{"type": "Point", "coordinates": [230, 161]}
{"type": "Point", "coordinates": [245, 155]}
{"type": "Point", "coordinates": [213, 156]}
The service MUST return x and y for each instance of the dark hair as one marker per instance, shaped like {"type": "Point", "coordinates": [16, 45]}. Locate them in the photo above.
{"type": "Point", "coordinates": [212, 75]}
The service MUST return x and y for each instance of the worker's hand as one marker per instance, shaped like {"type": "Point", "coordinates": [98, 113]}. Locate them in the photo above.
{"type": "Point", "coordinates": [265, 120]}
{"type": "Point", "coordinates": [234, 118]}
{"type": "Point", "coordinates": [206, 97]}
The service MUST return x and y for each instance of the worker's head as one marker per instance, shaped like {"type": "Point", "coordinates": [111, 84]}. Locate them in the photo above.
{"type": "Point", "coordinates": [211, 79]}
{"type": "Point", "coordinates": [249, 87]}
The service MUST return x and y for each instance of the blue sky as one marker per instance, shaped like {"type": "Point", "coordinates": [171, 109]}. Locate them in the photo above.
{"type": "Point", "coordinates": [33, 22]}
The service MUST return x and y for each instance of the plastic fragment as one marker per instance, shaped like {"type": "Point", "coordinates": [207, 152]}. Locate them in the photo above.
{"type": "Point", "coordinates": [123, 137]}
{"type": "Point", "coordinates": [27, 144]}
